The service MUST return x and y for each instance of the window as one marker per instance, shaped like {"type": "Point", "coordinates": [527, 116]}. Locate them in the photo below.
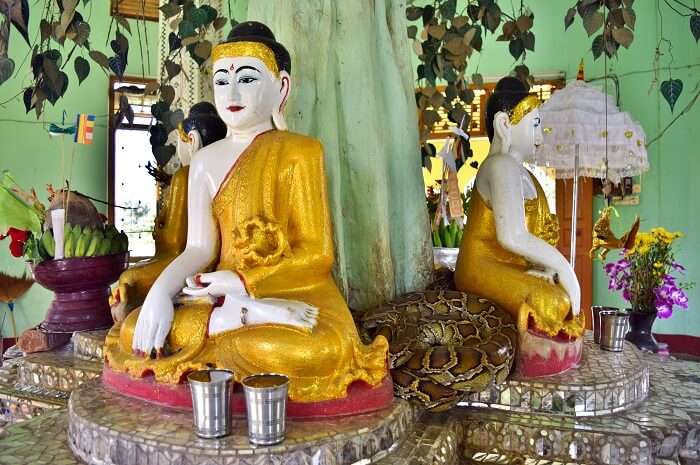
{"type": "Point", "coordinates": [146, 9]}
{"type": "Point", "coordinates": [133, 192]}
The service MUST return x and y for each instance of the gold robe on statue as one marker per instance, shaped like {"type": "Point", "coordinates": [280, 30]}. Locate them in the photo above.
{"type": "Point", "coordinates": [488, 270]}
{"type": "Point", "coordinates": [275, 232]}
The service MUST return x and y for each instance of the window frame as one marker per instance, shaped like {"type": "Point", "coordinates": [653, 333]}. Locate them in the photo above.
{"type": "Point", "coordinates": [148, 16]}
{"type": "Point", "coordinates": [111, 169]}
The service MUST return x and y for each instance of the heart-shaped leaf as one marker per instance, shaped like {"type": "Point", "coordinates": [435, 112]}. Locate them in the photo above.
{"type": "Point", "coordinates": [124, 23]}
{"type": "Point", "coordinates": [593, 21]}
{"type": "Point", "coordinates": [695, 26]}
{"type": "Point", "coordinates": [45, 29]}
{"type": "Point", "coordinates": [186, 28]}
{"type": "Point", "coordinates": [170, 9]}
{"type": "Point", "coordinates": [82, 33]}
{"type": "Point", "coordinates": [413, 13]}
{"type": "Point", "coordinates": [210, 13]}
{"type": "Point", "coordinates": [203, 49]}
{"type": "Point", "coordinates": [516, 48]}
{"type": "Point", "coordinates": [99, 58]}
{"type": "Point", "coordinates": [167, 94]}
{"type": "Point", "coordinates": [569, 18]}
{"type": "Point", "coordinates": [597, 46]}
{"type": "Point", "coordinates": [448, 9]}
{"type": "Point", "coordinates": [163, 154]}
{"type": "Point", "coordinates": [671, 90]}
{"type": "Point", "coordinates": [174, 42]}
{"type": "Point", "coordinates": [623, 36]}
{"type": "Point", "coordinates": [27, 98]}
{"type": "Point", "coordinates": [117, 66]}
{"type": "Point", "coordinates": [7, 67]}
{"type": "Point", "coordinates": [82, 68]}
{"type": "Point", "coordinates": [158, 109]}
{"type": "Point", "coordinates": [172, 68]}
{"type": "Point", "coordinates": [197, 17]}
{"type": "Point", "coordinates": [478, 80]}
{"type": "Point", "coordinates": [528, 39]}
{"type": "Point", "coordinates": [220, 22]}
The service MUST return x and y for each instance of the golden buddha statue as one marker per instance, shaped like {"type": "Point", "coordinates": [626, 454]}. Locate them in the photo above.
{"type": "Point", "coordinates": [256, 269]}
{"type": "Point", "coordinates": [508, 252]}
{"type": "Point", "coordinates": [201, 128]}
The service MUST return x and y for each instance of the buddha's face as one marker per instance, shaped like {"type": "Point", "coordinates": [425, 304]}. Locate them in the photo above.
{"type": "Point", "coordinates": [247, 93]}
{"type": "Point", "coordinates": [527, 134]}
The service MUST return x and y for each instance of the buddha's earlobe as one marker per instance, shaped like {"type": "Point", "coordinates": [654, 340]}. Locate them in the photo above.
{"type": "Point", "coordinates": [277, 118]}
{"type": "Point", "coordinates": [502, 130]}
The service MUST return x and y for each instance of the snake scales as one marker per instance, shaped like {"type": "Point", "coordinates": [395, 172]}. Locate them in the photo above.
{"type": "Point", "coordinates": [443, 343]}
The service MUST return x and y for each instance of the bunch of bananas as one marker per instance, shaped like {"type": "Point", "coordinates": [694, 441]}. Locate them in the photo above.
{"type": "Point", "coordinates": [85, 242]}
{"type": "Point", "coordinates": [449, 235]}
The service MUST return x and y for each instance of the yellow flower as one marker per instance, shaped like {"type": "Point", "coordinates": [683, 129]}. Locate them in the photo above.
{"type": "Point", "coordinates": [658, 265]}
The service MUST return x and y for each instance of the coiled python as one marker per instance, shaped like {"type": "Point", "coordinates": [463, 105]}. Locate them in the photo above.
{"type": "Point", "coordinates": [442, 344]}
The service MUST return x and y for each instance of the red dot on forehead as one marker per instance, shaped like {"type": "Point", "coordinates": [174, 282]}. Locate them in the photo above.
{"type": "Point", "coordinates": [232, 68]}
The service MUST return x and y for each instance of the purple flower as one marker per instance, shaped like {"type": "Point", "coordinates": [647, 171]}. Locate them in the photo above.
{"type": "Point", "coordinates": [664, 311]}
{"type": "Point", "coordinates": [679, 298]}
{"type": "Point", "coordinates": [677, 266]}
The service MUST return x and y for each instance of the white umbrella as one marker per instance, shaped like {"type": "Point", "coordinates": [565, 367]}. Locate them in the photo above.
{"type": "Point", "coordinates": [585, 134]}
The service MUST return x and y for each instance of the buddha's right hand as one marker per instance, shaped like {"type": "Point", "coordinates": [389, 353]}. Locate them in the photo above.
{"type": "Point", "coordinates": [153, 324]}
{"type": "Point", "coordinates": [215, 284]}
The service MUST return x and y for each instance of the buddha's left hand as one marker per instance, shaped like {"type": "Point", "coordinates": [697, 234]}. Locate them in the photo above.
{"type": "Point", "coordinates": [215, 284]}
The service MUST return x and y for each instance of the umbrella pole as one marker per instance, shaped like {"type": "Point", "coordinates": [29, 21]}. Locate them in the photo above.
{"type": "Point", "coordinates": [574, 211]}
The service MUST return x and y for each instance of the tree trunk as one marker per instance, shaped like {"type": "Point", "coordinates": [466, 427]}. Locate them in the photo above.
{"type": "Point", "coordinates": [352, 88]}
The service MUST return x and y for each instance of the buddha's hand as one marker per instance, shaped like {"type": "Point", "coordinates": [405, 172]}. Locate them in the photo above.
{"type": "Point", "coordinates": [249, 311]}
{"type": "Point", "coordinates": [215, 284]}
{"type": "Point", "coordinates": [153, 324]}
{"type": "Point", "coordinates": [117, 303]}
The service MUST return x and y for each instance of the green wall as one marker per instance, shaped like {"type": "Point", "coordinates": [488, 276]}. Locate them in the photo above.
{"type": "Point", "coordinates": [34, 157]}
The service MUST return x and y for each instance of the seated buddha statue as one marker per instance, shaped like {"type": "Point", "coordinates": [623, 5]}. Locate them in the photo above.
{"type": "Point", "coordinates": [508, 252]}
{"type": "Point", "coordinates": [201, 128]}
{"type": "Point", "coordinates": [252, 290]}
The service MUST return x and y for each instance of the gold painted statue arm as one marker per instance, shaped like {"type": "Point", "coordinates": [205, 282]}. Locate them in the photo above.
{"type": "Point", "coordinates": [303, 255]}
{"type": "Point", "coordinates": [170, 236]}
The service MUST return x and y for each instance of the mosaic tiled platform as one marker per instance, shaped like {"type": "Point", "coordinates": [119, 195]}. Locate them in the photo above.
{"type": "Point", "coordinates": [664, 426]}
{"type": "Point", "coordinates": [605, 383]}
{"type": "Point", "coordinates": [56, 370]}
{"type": "Point", "coordinates": [106, 428]}
{"type": "Point", "coordinates": [87, 345]}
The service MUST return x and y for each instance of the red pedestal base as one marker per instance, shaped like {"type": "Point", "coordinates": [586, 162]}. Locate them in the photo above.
{"type": "Point", "coordinates": [545, 356]}
{"type": "Point", "coordinates": [361, 397]}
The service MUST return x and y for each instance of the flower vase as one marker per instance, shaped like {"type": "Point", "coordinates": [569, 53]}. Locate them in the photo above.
{"type": "Point", "coordinates": [640, 330]}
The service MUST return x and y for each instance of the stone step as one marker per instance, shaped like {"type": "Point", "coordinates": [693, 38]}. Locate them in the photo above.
{"type": "Point", "coordinates": [56, 370]}
{"type": "Point", "coordinates": [88, 345]}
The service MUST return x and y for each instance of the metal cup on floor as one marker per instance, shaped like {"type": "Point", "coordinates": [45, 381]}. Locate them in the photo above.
{"type": "Point", "coordinates": [211, 402]}
{"type": "Point", "coordinates": [595, 313]}
{"type": "Point", "coordinates": [613, 328]}
{"type": "Point", "coordinates": [266, 404]}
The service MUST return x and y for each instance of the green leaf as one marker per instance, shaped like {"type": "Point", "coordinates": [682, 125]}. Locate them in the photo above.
{"type": "Point", "coordinates": [7, 67]}
{"type": "Point", "coordinates": [597, 46]}
{"type": "Point", "coordinates": [99, 58]}
{"type": "Point", "coordinates": [671, 90]}
{"type": "Point", "coordinates": [210, 13]}
{"type": "Point", "coordinates": [197, 17]}
{"type": "Point", "coordinates": [516, 48]}
{"type": "Point", "coordinates": [82, 68]}
{"type": "Point", "coordinates": [448, 9]}
{"type": "Point", "coordinates": [186, 28]}
{"type": "Point", "coordinates": [695, 26]}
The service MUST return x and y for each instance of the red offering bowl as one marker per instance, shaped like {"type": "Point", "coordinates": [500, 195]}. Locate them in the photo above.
{"type": "Point", "coordinates": [81, 288]}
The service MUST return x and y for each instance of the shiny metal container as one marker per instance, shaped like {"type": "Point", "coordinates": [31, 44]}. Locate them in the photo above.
{"type": "Point", "coordinates": [266, 404]}
{"type": "Point", "coordinates": [211, 402]}
{"type": "Point", "coordinates": [445, 257]}
{"type": "Point", "coordinates": [595, 314]}
{"type": "Point", "coordinates": [613, 328]}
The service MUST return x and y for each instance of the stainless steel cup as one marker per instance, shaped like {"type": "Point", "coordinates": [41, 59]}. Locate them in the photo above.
{"type": "Point", "coordinates": [613, 328]}
{"type": "Point", "coordinates": [211, 402]}
{"type": "Point", "coordinates": [266, 404]}
{"type": "Point", "coordinates": [595, 313]}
